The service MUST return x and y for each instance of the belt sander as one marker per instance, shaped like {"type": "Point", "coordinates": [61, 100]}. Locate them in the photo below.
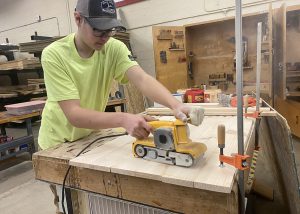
{"type": "Point", "coordinates": [170, 143]}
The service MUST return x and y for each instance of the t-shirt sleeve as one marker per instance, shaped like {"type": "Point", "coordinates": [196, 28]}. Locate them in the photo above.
{"type": "Point", "coordinates": [124, 62]}
{"type": "Point", "coordinates": [58, 83]}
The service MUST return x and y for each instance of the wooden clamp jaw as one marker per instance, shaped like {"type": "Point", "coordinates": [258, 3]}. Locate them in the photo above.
{"type": "Point", "coordinates": [236, 160]}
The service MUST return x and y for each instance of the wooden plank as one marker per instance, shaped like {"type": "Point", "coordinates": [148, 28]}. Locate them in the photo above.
{"type": "Point", "coordinates": [116, 102]}
{"type": "Point", "coordinates": [150, 192]}
{"type": "Point", "coordinates": [290, 110]}
{"type": "Point", "coordinates": [135, 99]}
{"type": "Point", "coordinates": [116, 157]}
{"type": "Point", "coordinates": [6, 118]}
{"type": "Point", "coordinates": [280, 150]}
{"type": "Point", "coordinates": [213, 111]}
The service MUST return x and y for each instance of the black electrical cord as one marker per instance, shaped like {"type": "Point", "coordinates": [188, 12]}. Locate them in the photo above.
{"type": "Point", "coordinates": [68, 170]}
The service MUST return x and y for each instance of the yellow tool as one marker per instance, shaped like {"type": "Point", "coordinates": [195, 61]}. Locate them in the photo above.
{"type": "Point", "coordinates": [170, 144]}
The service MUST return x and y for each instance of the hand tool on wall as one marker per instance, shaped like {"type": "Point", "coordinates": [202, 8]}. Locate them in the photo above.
{"type": "Point", "coordinates": [190, 65]}
{"type": "Point", "coordinates": [236, 160]}
{"type": "Point", "coordinates": [170, 143]}
{"type": "Point", "coordinates": [163, 57]}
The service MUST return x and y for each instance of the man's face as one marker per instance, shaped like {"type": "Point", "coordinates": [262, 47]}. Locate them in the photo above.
{"type": "Point", "coordinates": [92, 37]}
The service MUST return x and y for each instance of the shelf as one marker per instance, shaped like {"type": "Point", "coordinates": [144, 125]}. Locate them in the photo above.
{"type": "Point", "coordinates": [293, 94]}
{"type": "Point", "coordinates": [245, 68]}
{"type": "Point", "coordinates": [176, 49]}
{"type": "Point", "coordinates": [218, 80]}
{"type": "Point", "coordinates": [292, 75]}
{"type": "Point", "coordinates": [164, 38]}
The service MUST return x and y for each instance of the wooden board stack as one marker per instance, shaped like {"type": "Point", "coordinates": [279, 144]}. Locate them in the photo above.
{"type": "Point", "coordinates": [36, 46]}
{"type": "Point", "coordinates": [21, 64]}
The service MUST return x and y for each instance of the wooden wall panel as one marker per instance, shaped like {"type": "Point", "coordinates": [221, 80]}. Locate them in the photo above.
{"type": "Point", "coordinates": [173, 73]}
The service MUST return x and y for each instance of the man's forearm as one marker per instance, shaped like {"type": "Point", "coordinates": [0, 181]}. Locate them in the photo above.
{"type": "Point", "coordinates": [90, 119]}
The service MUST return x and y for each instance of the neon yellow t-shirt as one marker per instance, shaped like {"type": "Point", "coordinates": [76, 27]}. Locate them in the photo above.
{"type": "Point", "coordinates": [68, 76]}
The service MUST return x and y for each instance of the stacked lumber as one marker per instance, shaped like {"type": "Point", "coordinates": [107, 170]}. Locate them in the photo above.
{"type": "Point", "coordinates": [37, 83]}
{"type": "Point", "coordinates": [14, 91]}
{"type": "Point", "coordinates": [36, 46]}
{"type": "Point", "coordinates": [20, 64]}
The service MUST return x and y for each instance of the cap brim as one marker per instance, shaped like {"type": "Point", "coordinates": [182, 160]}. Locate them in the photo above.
{"type": "Point", "coordinates": [106, 23]}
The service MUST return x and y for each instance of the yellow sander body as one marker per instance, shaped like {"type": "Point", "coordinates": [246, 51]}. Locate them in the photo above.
{"type": "Point", "coordinates": [170, 144]}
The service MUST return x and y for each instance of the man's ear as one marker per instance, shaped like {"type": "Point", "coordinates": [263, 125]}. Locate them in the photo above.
{"type": "Point", "coordinates": [78, 18]}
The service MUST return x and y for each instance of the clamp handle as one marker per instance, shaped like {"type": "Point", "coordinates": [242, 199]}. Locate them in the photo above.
{"type": "Point", "coordinates": [221, 141]}
{"type": "Point", "coordinates": [221, 136]}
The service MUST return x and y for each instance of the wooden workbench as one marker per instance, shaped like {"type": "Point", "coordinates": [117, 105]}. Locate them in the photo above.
{"type": "Point", "coordinates": [18, 145]}
{"type": "Point", "coordinates": [109, 168]}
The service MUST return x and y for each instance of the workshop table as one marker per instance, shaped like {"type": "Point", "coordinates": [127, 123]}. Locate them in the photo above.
{"type": "Point", "coordinates": [116, 102]}
{"type": "Point", "coordinates": [19, 145]}
{"type": "Point", "coordinates": [109, 168]}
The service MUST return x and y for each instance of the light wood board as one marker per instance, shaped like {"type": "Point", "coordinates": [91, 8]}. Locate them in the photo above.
{"type": "Point", "coordinates": [116, 157]}
{"type": "Point", "coordinates": [214, 111]}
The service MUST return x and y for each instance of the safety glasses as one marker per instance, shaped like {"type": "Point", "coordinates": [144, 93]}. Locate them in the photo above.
{"type": "Point", "coordinates": [101, 33]}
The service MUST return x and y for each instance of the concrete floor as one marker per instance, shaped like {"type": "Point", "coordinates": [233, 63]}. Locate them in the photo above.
{"type": "Point", "coordinates": [21, 193]}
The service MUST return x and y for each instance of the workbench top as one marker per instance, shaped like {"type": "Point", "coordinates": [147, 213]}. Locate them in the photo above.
{"type": "Point", "coordinates": [116, 156]}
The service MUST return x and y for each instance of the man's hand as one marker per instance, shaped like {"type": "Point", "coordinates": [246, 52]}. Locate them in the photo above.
{"type": "Point", "coordinates": [195, 114]}
{"type": "Point", "coordinates": [137, 126]}
{"type": "Point", "coordinates": [182, 112]}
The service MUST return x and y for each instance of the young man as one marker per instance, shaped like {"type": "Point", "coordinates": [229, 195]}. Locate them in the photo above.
{"type": "Point", "coordinates": [79, 70]}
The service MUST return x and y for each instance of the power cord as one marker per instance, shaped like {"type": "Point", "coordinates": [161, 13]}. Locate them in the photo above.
{"type": "Point", "coordinates": [68, 170]}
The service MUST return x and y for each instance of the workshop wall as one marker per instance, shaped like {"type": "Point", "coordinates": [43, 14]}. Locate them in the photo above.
{"type": "Point", "coordinates": [56, 18]}
{"type": "Point", "coordinates": [19, 19]}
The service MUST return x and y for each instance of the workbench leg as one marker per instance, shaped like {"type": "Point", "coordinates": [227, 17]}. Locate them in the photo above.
{"type": "Point", "coordinates": [3, 131]}
{"type": "Point", "coordinates": [123, 107]}
{"type": "Point", "coordinates": [69, 200]}
{"type": "Point", "coordinates": [29, 132]}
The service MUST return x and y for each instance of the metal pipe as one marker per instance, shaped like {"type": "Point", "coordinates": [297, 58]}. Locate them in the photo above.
{"type": "Point", "coordinates": [25, 25]}
{"type": "Point", "coordinates": [226, 9]}
{"type": "Point", "coordinates": [258, 64]}
{"type": "Point", "coordinates": [239, 91]}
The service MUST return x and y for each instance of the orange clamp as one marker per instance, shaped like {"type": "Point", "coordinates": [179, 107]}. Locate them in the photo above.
{"type": "Point", "coordinates": [255, 114]}
{"type": "Point", "coordinates": [236, 160]}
